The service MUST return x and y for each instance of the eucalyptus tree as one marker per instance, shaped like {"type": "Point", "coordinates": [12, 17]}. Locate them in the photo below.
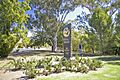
{"type": "Point", "coordinates": [12, 19]}
{"type": "Point", "coordinates": [101, 22]}
{"type": "Point", "coordinates": [117, 34]}
{"type": "Point", "coordinates": [50, 16]}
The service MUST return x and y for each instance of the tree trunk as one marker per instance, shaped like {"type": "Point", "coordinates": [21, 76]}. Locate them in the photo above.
{"type": "Point", "coordinates": [101, 43]}
{"type": "Point", "coordinates": [92, 49]}
{"type": "Point", "coordinates": [54, 47]}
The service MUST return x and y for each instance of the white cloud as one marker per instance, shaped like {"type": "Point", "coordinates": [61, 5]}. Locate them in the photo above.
{"type": "Point", "coordinates": [77, 11]}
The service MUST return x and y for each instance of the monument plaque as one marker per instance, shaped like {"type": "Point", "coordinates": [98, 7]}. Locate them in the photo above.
{"type": "Point", "coordinates": [67, 41]}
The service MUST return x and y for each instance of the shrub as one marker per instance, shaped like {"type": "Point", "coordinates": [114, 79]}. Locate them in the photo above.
{"type": "Point", "coordinates": [31, 72]}
{"type": "Point", "coordinates": [45, 72]}
{"type": "Point", "coordinates": [39, 63]}
{"type": "Point", "coordinates": [30, 69]}
{"type": "Point", "coordinates": [77, 57]}
{"type": "Point", "coordinates": [94, 64]}
{"type": "Point", "coordinates": [63, 61]}
{"type": "Point", "coordinates": [98, 64]}
{"type": "Point", "coordinates": [16, 64]}
{"type": "Point", "coordinates": [47, 63]}
{"type": "Point", "coordinates": [58, 68]}
{"type": "Point", "coordinates": [67, 65]}
{"type": "Point", "coordinates": [48, 67]}
{"type": "Point", "coordinates": [83, 68]}
{"type": "Point", "coordinates": [57, 58]}
{"type": "Point", "coordinates": [7, 43]}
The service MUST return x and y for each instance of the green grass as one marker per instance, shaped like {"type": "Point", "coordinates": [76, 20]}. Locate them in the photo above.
{"type": "Point", "coordinates": [110, 71]}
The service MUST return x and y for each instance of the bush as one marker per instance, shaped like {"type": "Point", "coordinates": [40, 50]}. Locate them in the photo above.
{"type": "Point", "coordinates": [18, 64]}
{"type": "Point", "coordinates": [39, 63]}
{"type": "Point", "coordinates": [31, 72]}
{"type": "Point", "coordinates": [47, 63]}
{"type": "Point", "coordinates": [57, 58]}
{"type": "Point", "coordinates": [67, 64]}
{"type": "Point", "coordinates": [7, 43]}
{"type": "Point", "coordinates": [14, 64]}
{"type": "Point", "coordinates": [45, 72]}
{"type": "Point", "coordinates": [83, 68]}
{"type": "Point", "coordinates": [58, 68]}
{"type": "Point", "coordinates": [28, 66]}
{"type": "Point", "coordinates": [115, 50]}
{"type": "Point", "coordinates": [30, 69]}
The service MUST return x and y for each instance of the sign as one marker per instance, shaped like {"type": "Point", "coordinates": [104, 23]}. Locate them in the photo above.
{"type": "Point", "coordinates": [80, 49]}
{"type": "Point", "coordinates": [67, 41]}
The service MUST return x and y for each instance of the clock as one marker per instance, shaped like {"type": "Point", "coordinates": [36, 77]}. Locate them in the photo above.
{"type": "Point", "coordinates": [66, 32]}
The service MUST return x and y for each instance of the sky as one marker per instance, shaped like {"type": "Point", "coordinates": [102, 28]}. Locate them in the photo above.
{"type": "Point", "coordinates": [73, 15]}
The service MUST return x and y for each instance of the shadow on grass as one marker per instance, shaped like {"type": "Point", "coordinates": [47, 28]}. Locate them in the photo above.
{"type": "Point", "coordinates": [3, 59]}
{"type": "Point", "coordinates": [114, 63]}
{"type": "Point", "coordinates": [48, 53]}
{"type": "Point", "coordinates": [57, 54]}
{"type": "Point", "coordinates": [22, 78]}
{"type": "Point", "coordinates": [38, 52]}
{"type": "Point", "coordinates": [113, 60]}
{"type": "Point", "coordinates": [109, 58]}
{"type": "Point", "coordinates": [86, 54]}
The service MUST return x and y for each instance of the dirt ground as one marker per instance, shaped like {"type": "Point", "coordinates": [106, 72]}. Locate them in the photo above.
{"type": "Point", "coordinates": [11, 75]}
{"type": "Point", "coordinates": [19, 75]}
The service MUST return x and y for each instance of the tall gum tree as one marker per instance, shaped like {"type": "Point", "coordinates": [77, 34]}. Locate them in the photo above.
{"type": "Point", "coordinates": [50, 15]}
{"type": "Point", "coordinates": [101, 22]}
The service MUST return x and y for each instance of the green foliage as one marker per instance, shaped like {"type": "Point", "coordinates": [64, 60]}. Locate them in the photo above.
{"type": "Point", "coordinates": [17, 64]}
{"type": "Point", "coordinates": [60, 39]}
{"type": "Point", "coordinates": [7, 43]}
{"type": "Point", "coordinates": [83, 68]}
{"type": "Point", "coordinates": [39, 63]}
{"type": "Point", "coordinates": [100, 21]}
{"type": "Point", "coordinates": [57, 58]}
{"type": "Point", "coordinates": [31, 72]}
{"type": "Point", "coordinates": [67, 65]}
{"type": "Point", "coordinates": [81, 64]}
{"type": "Point", "coordinates": [45, 72]}
{"type": "Point", "coordinates": [87, 64]}
{"type": "Point", "coordinates": [102, 28]}
{"type": "Point", "coordinates": [14, 64]}
{"type": "Point", "coordinates": [77, 58]}
{"type": "Point", "coordinates": [58, 68]}
{"type": "Point", "coordinates": [30, 69]}
{"type": "Point", "coordinates": [75, 40]}
{"type": "Point", "coordinates": [47, 66]}
{"type": "Point", "coordinates": [12, 19]}
{"type": "Point", "coordinates": [50, 21]}
{"type": "Point", "coordinates": [94, 64]}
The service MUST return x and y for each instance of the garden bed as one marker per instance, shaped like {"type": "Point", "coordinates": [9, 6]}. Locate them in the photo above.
{"type": "Point", "coordinates": [32, 67]}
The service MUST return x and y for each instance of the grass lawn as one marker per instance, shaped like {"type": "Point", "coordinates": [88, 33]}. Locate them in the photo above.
{"type": "Point", "coordinates": [110, 71]}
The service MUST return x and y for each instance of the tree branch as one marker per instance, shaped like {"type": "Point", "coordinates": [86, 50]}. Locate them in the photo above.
{"type": "Point", "coordinates": [64, 16]}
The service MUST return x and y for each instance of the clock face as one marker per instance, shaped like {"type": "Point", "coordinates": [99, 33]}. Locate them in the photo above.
{"type": "Point", "coordinates": [66, 32]}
